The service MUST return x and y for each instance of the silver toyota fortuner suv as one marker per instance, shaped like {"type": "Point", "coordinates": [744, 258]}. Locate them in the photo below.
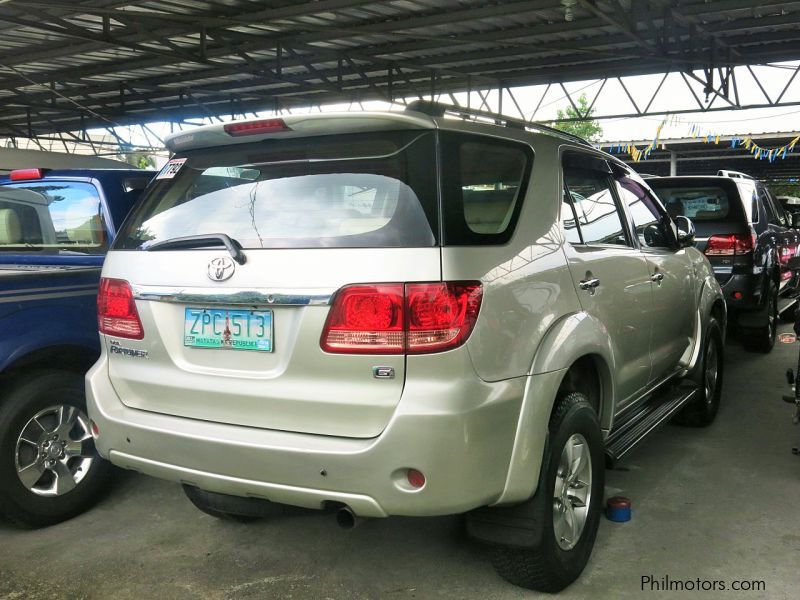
{"type": "Point", "coordinates": [402, 314]}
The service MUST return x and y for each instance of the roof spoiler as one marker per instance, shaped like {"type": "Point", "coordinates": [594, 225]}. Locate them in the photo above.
{"type": "Point", "coordinates": [734, 174]}
{"type": "Point", "coordinates": [438, 109]}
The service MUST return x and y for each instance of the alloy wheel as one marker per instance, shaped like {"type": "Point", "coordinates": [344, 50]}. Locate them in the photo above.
{"type": "Point", "coordinates": [572, 493]}
{"type": "Point", "coordinates": [711, 374]}
{"type": "Point", "coordinates": [772, 312]}
{"type": "Point", "coordinates": [55, 450]}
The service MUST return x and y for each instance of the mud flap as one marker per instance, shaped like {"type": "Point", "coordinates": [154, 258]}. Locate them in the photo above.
{"type": "Point", "coordinates": [752, 320]}
{"type": "Point", "coordinates": [520, 525]}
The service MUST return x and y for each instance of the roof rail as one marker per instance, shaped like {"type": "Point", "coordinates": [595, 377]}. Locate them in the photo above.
{"type": "Point", "coordinates": [734, 174]}
{"type": "Point", "coordinates": [438, 109]}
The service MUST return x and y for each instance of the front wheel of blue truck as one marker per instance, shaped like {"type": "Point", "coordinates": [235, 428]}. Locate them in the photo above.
{"type": "Point", "coordinates": [49, 468]}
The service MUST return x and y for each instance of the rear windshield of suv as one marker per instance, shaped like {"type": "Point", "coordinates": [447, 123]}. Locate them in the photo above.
{"type": "Point", "coordinates": [697, 200]}
{"type": "Point", "coordinates": [346, 191]}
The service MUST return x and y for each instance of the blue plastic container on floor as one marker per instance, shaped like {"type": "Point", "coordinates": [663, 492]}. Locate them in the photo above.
{"type": "Point", "coordinates": [618, 509]}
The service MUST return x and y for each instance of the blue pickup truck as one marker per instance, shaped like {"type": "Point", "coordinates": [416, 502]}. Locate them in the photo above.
{"type": "Point", "coordinates": [55, 228]}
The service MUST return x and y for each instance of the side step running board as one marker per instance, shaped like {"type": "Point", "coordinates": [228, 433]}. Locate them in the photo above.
{"type": "Point", "coordinates": [635, 425]}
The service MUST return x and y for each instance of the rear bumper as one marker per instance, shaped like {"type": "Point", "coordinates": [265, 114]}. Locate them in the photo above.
{"type": "Point", "coordinates": [459, 432]}
{"type": "Point", "coordinates": [749, 285]}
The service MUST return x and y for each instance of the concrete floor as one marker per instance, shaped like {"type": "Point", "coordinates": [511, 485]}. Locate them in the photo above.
{"type": "Point", "coordinates": [716, 504]}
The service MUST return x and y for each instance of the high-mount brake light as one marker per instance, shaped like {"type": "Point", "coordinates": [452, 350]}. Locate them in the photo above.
{"type": "Point", "coordinates": [25, 174]}
{"type": "Point", "coordinates": [730, 244]}
{"type": "Point", "coordinates": [116, 310]}
{"type": "Point", "coordinates": [397, 318]}
{"type": "Point", "coordinates": [255, 127]}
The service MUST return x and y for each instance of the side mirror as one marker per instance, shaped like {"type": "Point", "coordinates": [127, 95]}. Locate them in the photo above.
{"type": "Point", "coordinates": [685, 231]}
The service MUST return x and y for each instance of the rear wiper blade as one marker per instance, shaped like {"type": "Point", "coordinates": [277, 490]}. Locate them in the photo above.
{"type": "Point", "coordinates": [200, 241]}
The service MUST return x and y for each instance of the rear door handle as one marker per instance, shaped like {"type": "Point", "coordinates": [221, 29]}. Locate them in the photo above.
{"type": "Point", "coordinates": [657, 277]}
{"type": "Point", "coordinates": [589, 284]}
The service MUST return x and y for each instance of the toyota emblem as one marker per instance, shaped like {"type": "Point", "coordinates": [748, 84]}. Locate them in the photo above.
{"type": "Point", "coordinates": [221, 269]}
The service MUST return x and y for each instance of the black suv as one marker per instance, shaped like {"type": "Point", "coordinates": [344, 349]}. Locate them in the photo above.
{"type": "Point", "coordinates": [749, 238]}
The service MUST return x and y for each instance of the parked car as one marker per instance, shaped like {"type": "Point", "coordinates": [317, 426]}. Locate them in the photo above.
{"type": "Point", "coordinates": [749, 239]}
{"type": "Point", "coordinates": [791, 204]}
{"type": "Point", "coordinates": [55, 228]}
{"type": "Point", "coordinates": [402, 314]}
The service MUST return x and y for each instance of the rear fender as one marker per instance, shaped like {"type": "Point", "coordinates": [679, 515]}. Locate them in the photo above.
{"type": "Point", "coordinates": [711, 295]}
{"type": "Point", "coordinates": [572, 337]}
{"type": "Point", "coordinates": [31, 332]}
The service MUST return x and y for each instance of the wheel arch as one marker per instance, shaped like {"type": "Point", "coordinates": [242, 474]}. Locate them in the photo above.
{"type": "Point", "coordinates": [575, 352]}
{"type": "Point", "coordinates": [69, 357]}
{"type": "Point", "coordinates": [711, 303]}
{"type": "Point", "coordinates": [580, 343]}
{"type": "Point", "coordinates": [591, 375]}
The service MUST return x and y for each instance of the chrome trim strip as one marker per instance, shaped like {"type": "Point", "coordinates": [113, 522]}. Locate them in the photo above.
{"type": "Point", "coordinates": [51, 289]}
{"type": "Point", "coordinates": [234, 296]}
{"type": "Point", "coordinates": [723, 270]}
{"type": "Point", "coordinates": [8, 270]}
{"type": "Point", "coordinates": [8, 299]}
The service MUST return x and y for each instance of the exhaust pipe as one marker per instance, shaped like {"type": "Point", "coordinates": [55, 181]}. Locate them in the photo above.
{"type": "Point", "coordinates": [346, 518]}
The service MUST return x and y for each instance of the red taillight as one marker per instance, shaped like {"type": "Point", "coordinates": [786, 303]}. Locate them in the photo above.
{"type": "Point", "coordinates": [728, 245]}
{"type": "Point", "coordinates": [255, 127]}
{"type": "Point", "coordinates": [787, 253]}
{"type": "Point", "coordinates": [440, 315]}
{"type": "Point", "coordinates": [395, 318]}
{"type": "Point", "coordinates": [366, 319]}
{"type": "Point", "coordinates": [24, 174]}
{"type": "Point", "coordinates": [116, 310]}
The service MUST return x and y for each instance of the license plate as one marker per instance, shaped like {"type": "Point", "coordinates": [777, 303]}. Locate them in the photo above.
{"type": "Point", "coordinates": [228, 329]}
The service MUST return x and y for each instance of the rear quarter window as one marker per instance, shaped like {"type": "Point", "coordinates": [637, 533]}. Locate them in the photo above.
{"type": "Point", "coordinates": [484, 182]}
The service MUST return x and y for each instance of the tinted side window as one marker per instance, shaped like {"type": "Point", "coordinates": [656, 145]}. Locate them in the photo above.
{"type": "Point", "coordinates": [591, 196]}
{"type": "Point", "coordinates": [569, 221]}
{"type": "Point", "coordinates": [749, 199]}
{"type": "Point", "coordinates": [484, 183]}
{"type": "Point", "coordinates": [775, 210]}
{"type": "Point", "coordinates": [647, 218]}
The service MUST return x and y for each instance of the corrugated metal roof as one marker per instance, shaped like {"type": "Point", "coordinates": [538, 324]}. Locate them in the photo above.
{"type": "Point", "coordinates": [66, 64]}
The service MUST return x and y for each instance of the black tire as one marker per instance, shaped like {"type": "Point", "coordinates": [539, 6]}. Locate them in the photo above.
{"type": "Point", "coordinates": [31, 394]}
{"type": "Point", "coordinates": [790, 314]}
{"type": "Point", "coordinates": [762, 339]}
{"type": "Point", "coordinates": [702, 411]}
{"type": "Point", "coordinates": [547, 567]}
